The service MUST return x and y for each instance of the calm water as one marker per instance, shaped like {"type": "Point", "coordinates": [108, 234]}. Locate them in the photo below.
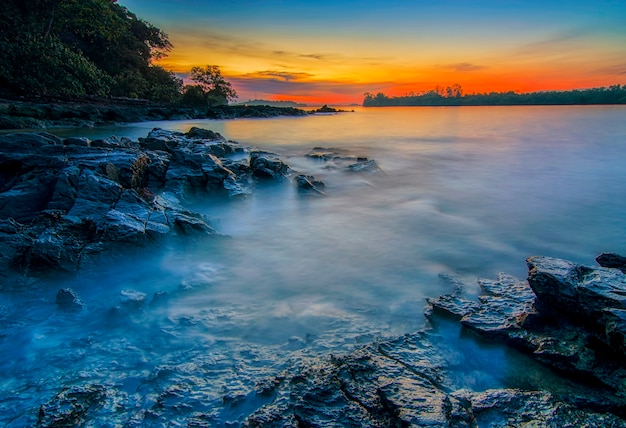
{"type": "Point", "coordinates": [467, 192]}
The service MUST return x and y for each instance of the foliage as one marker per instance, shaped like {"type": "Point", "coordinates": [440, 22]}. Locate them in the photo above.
{"type": "Point", "coordinates": [453, 96]}
{"type": "Point", "coordinates": [42, 66]}
{"type": "Point", "coordinates": [216, 90]}
{"type": "Point", "coordinates": [194, 95]}
{"type": "Point", "coordinates": [82, 47]}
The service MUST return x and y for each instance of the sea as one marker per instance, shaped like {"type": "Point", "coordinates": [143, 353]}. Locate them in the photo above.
{"type": "Point", "coordinates": [460, 193]}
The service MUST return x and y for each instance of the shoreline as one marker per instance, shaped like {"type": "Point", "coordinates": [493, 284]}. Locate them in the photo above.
{"type": "Point", "coordinates": [134, 197]}
{"type": "Point", "coordinates": [16, 115]}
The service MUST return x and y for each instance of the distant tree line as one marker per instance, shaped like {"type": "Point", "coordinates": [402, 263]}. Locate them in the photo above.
{"type": "Point", "coordinates": [454, 96]}
{"type": "Point", "coordinates": [77, 48]}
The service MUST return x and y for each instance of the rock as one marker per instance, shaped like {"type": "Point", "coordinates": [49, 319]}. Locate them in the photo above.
{"type": "Point", "coordinates": [77, 141]}
{"type": "Point", "coordinates": [188, 223]}
{"type": "Point", "coordinates": [309, 183]}
{"type": "Point", "coordinates": [612, 260]}
{"type": "Point", "coordinates": [71, 406]}
{"type": "Point", "coordinates": [614, 321]}
{"type": "Point", "coordinates": [516, 408]}
{"type": "Point", "coordinates": [204, 134]}
{"type": "Point", "coordinates": [340, 158]}
{"type": "Point", "coordinates": [326, 109]}
{"type": "Point", "coordinates": [67, 300]}
{"type": "Point", "coordinates": [266, 165]}
{"type": "Point", "coordinates": [568, 316]}
{"type": "Point", "coordinates": [403, 382]}
{"type": "Point", "coordinates": [330, 154]}
{"type": "Point", "coordinates": [363, 388]}
{"type": "Point", "coordinates": [578, 291]}
{"type": "Point", "coordinates": [63, 201]}
{"type": "Point", "coordinates": [131, 299]}
{"type": "Point", "coordinates": [364, 165]}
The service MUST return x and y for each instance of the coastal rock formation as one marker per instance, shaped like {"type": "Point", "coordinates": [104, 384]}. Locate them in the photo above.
{"type": "Point", "coordinates": [309, 183]}
{"type": "Point", "coordinates": [65, 201]}
{"type": "Point", "coordinates": [404, 382]}
{"type": "Point", "coordinates": [567, 316]}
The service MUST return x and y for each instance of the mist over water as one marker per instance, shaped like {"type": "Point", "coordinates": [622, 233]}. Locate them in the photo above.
{"type": "Point", "coordinates": [465, 192]}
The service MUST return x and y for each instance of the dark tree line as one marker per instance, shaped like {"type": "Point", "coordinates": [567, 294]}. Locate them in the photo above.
{"type": "Point", "coordinates": [74, 48]}
{"type": "Point", "coordinates": [454, 96]}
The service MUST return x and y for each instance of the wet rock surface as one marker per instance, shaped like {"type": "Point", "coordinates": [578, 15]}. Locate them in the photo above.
{"type": "Point", "coordinates": [404, 382]}
{"type": "Point", "coordinates": [567, 316]}
{"type": "Point", "coordinates": [65, 201]}
{"type": "Point", "coordinates": [335, 158]}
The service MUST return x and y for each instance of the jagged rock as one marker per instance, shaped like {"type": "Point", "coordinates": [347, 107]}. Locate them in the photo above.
{"type": "Point", "coordinates": [403, 382]}
{"type": "Point", "coordinates": [516, 408]}
{"type": "Point", "coordinates": [62, 201]}
{"type": "Point", "coordinates": [309, 183]}
{"type": "Point", "coordinates": [67, 300]}
{"type": "Point", "coordinates": [266, 165]}
{"type": "Point", "coordinates": [204, 134]}
{"type": "Point", "coordinates": [563, 287]}
{"type": "Point", "coordinates": [612, 260]}
{"type": "Point", "coordinates": [328, 154]}
{"type": "Point", "coordinates": [71, 406]}
{"type": "Point", "coordinates": [364, 165]}
{"type": "Point", "coordinates": [340, 158]}
{"type": "Point", "coordinates": [394, 384]}
{"type": "Point", "coordinates": [567, 316]}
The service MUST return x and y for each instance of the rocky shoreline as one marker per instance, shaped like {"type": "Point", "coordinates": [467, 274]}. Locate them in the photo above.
{"type": "Point", "coordinates": [67, 203]}
{"type": "Point", "coordinates": [567, 316]}
{"type": "Point", "coordinates": [33, 114]}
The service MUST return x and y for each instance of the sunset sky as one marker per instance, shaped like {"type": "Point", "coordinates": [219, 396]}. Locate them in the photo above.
{"type": "Point", "coordinates": [334, 51]}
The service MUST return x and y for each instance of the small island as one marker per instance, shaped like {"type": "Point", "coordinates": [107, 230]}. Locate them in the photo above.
{"type": "Point", "coordinates": [326, 109]}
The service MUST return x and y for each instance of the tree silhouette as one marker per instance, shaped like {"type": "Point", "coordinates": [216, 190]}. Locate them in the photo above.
{"type": "Point", "coordinates": [216, 89]}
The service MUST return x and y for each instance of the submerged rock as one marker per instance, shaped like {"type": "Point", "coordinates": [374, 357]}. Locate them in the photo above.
{"type": "Point", "coordinates": [342, 159]}
{"type": "Point", "coordinates": [266, 165]}
{"type": "Point", "coordinates": [67, 300]}
{"type": "Point", "coordinates": [309, 183]}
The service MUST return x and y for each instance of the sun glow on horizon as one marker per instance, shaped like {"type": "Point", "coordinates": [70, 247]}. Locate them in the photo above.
{"type": "Point", "coordinates": [334, 53]}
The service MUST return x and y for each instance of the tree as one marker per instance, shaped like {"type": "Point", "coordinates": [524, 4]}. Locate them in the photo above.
{"type": "Point", "coordinates": [216, 89]}
{"type": "Point", "coordinates": [44, 66]}
{"type": "Point", "coordinates": [194, 95]}
{"type": "Point", "coordinates": [454, 91]}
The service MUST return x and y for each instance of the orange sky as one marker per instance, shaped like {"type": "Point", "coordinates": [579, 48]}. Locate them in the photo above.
{"type": "Point", "coordinates": [333, 52]}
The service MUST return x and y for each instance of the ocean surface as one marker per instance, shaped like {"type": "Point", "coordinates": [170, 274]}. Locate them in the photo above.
{"type": "Point", "coordinates": [462, 193]}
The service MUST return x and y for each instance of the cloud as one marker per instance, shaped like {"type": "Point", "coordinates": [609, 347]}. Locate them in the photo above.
{"type": "Point", "coordinates": [558, 44]}
{"type": "Point", "coordinates": [617, 69]}
{"type": "Point", "coordinates": [211, 41]}
{"type": "Point", "coordinates": [463, 67]}
{"type": "Point", "coordinates": [283, 75]}
{"type": "Point", "coordinates": [314, 56]}
{"type": "Point", "coordinates": [300, 85]}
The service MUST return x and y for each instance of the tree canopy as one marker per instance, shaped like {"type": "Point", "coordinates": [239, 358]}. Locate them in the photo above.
{"type": "Point", "coordinates": [82, 47]}
{"type": "Point", "coordinates": [210, 89]}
